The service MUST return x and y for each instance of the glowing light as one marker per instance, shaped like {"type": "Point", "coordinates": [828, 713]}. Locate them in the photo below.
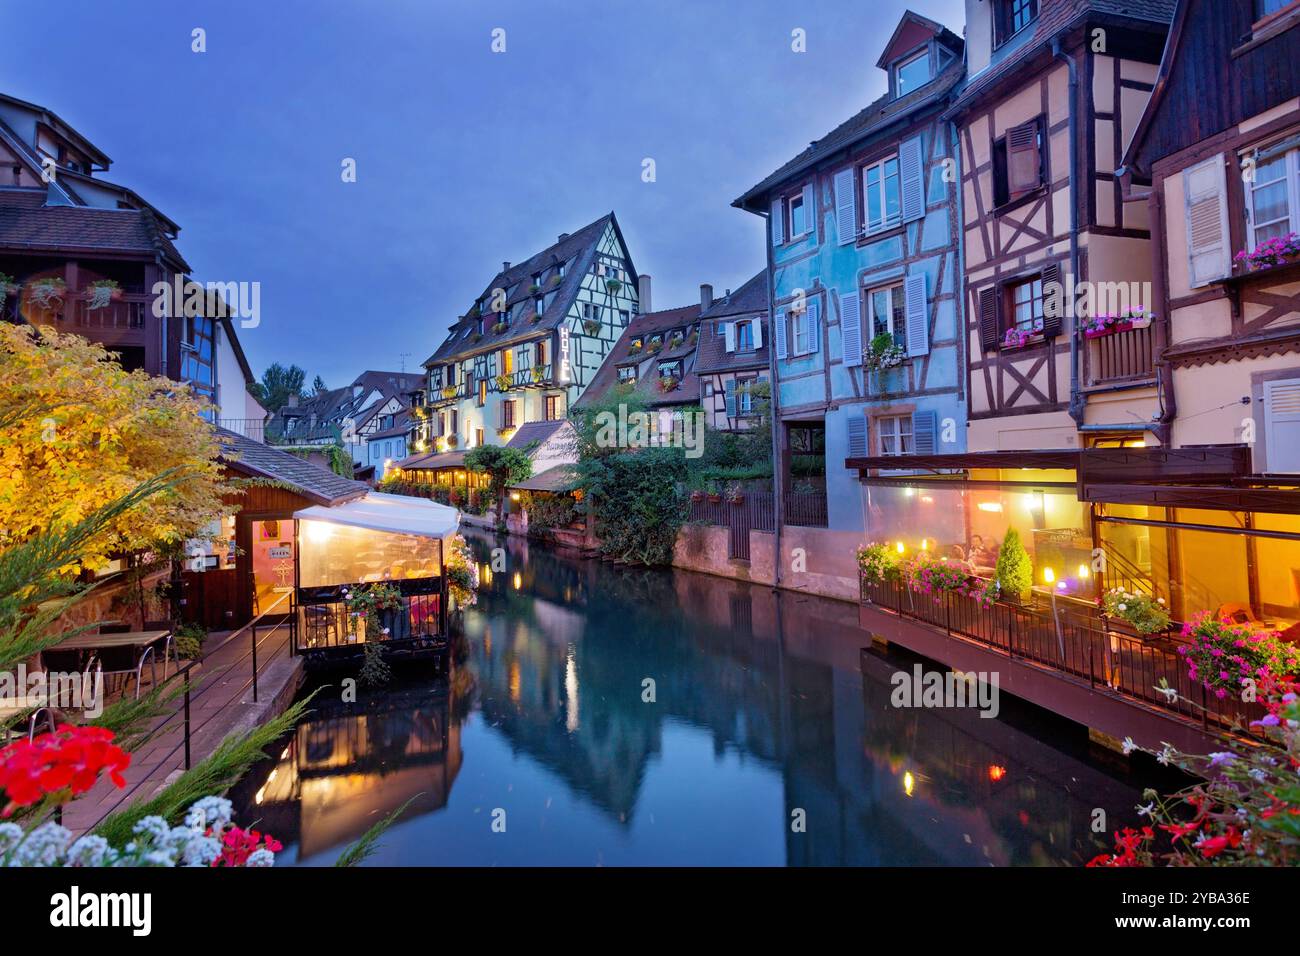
{"type": "Point", "coordinates": [1049, 575]}
{"type": "Point", "coordinates": [1083, 572]}
{"type": "Point", "coordinates": [518, 581]}
{"type": "Point", "coordinates": [900, 547]}
{"type": "Point", "coordinates": [318, 532]}
{"type": "Point", "coordinates": [909, 492]}
{"type": "Point", "coordinates": [909, 782]}
{"type": "Point", "coordinates": [996, 773]}
{"type": "Point", "coordinates": [514, 496]}
{"type": "Point", "coordinates": [993, 506]}
{"type": "Point", "coordinates": [925, 544]}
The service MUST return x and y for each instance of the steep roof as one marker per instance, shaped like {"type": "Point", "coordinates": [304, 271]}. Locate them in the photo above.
{"type": "Point", "coordinates": [561, 478]}
{"type": "Point", "coordinates": [257, 460]}
{"type": "Point", "coordinates": [539, 432]}
{"type": "Point", "coordinates": [711, 355]}
{"type": "Point", "coordinates": [1055, 18]}
{"type": "Point", "coordinates": [647, 384]}
{"type": "Point", "coordinates": [334, 405]}
{"type": "Point", "coordinates": [27, 222]}
{"type": "Point", "coordinates": [880, 115]}
{"type": "Point", "coordinates": [577, 249]}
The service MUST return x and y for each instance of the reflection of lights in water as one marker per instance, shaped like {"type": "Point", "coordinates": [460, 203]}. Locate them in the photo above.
{"type": "Point", "coordinates": [909, 783]}
{"type": "Point", "coordinates": [514, 681]}
{"type": "Point", "coordinates": [571, 691]}
{"type": "Point", "coordinates": [518, 581]}
{"type": "Point", "coordinates": [485, 573]}
{"type": "Point", "coordinates": [996, 773]}
{"type": "Point", "coordinates": [260, 795]}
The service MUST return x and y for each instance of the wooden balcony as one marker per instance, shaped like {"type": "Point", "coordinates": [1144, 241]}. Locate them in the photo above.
{"type": "Point", "coordinates": [1120, 358]}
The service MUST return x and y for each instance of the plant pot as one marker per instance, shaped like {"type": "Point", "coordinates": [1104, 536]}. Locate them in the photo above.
{"type": "Point", "coordinates": [715, 499]}
{"type": "Point", "coordinates": [736, 500]}
{"type": "Point", "coordinates": [697, 496]}
{"type": "Point", "coordinates": [1127, 326]}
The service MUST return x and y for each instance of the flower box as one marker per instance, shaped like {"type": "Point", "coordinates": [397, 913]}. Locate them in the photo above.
{"type": "Point", "coordinates": [1127, 326]}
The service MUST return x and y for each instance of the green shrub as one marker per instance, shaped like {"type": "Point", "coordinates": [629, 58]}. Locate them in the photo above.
{"type": "Point", "coordinates": [188, 641]}
{"type": "Point", "coordinates": [1014, 571]}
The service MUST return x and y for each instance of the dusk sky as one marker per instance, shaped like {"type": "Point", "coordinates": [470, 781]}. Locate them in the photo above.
{"type": "Point", "coordinates": [465, 157]}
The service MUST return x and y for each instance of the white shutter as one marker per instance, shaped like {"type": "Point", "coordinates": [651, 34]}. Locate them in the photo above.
{"type": "Point", "coordinates": [911, 170]}
{"type": "Point", "coordinates": [1282, 425]}
{"type": "Point", "coordinates": [730, 397]}
{"type": "Point", "coordinates": [814, 327]}
{"type": "Point", "coordinates": [918, 315]}
{"type": "Point", "coordinates": [757, 323]}
{"type": "Point", "coordinates": [779, 333]}
{"type": "Point", "coordinates": [778, 223]}
{"type": "Point", "coordinates": [809, 209]}
{"type": "Point", "coordinates": [846, 207]}
{"type": "Point", "coordinates": [729, 336]}
{"type": "Point", "coordinates": [851, 328]}
{"type": "Point", "coordinates": [857, 426]}
{"type": "Point", "coordinates": [1206, 195]}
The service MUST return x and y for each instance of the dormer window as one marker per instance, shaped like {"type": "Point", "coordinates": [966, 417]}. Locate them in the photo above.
{"type": "Point", "coordinates": [1012, 16]}
{"type": "Point", "coordinates": [912, 73]}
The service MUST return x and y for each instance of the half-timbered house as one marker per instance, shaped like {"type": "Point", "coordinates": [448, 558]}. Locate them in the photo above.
{"type": "Point", "coordinates": [733, 356]}
{"type": "Point", "coordinates": [1054, 90]}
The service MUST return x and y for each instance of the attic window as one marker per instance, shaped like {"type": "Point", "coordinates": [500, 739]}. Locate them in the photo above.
{"type": "Point", "coordinates": [1012, 16]}
{"type": "Point", "coordinates": [912, 73]}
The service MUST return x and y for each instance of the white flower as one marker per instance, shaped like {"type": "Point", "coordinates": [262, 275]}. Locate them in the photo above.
{"type": "Point", "coordinates": [10, 834]}
{"type": "Point", "coordinates": [91, 850]}
{"type": "Point", "coordinates": [1128, 746]}
{"type": "Point", "coordinates": [1147, 810]}
{"type": "Point", "coordinates": [1123, 607]}
{"type": "Point", "coordinates": [201, 851]}
{"type": "Point", "coordinates": [214, 812]}
{"type": "Point", "coordinates": [153, 827]}
{"type": "Point", "coordinates": [1165, 756]}
{"type": "Point", "coordinates": [260, 857]}
{"type": "Point", "coordinates": [44, 846]}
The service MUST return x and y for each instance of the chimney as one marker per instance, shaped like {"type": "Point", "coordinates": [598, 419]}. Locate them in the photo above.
{"type": "Point", "coordinates": [706, 295]}
{"type": "Point", "coordinates": [293, 400]}
{"type": "Point", "coordinates": [563, 236]}
{"type": "Point", "coordinates": [505, 266]}
{"type": "Point", "coordinates": [643, 294]}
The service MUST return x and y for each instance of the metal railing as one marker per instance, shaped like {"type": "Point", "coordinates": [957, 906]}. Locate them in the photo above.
{"type": "Point", "coordinates": [323, 619]}
{"type": "Point", "coordinates": [126, 312]}
{"type": "Point", "coordinates": [254, 428]}
{"type": "Point", "coordinates": [1076, 644]}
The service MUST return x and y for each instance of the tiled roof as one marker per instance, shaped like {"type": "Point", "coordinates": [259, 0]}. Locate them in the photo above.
{"type": "Point", "coordinates": [26, 222]}
{"type": "Point", "coordinates": [530, 432]}
{"type": "Point", "coordinates": [643, 326]}
{"type": "Point", "coordinates": [557, 479]}
{"type": "Point", "coordinates": [401, 425]}
{"type": "Point", "coordinates": [577, 249]}
{"type": "Point", "coordinates": [879, 115]}
{"type": "Point", "coordinates": [434, 461]}
{"type": "Point", "coordinates": [1054, 18]}
{"type": "Point", "coordinates": [266, 461]}
{"type": "Point", "coordinates": [712, 354]}
{"type": "Point", "coordinates": [331, 407]}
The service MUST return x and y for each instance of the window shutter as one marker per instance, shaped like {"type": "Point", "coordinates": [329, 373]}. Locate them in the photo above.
{"type": "Point", "coordinates": [778, 222]}
{"type": "Point", "coordinates": [918, 315]}
{"type": "Point", "coordinates": [814, 327]}
{"type": "Point", "coordinates": [851, 328]}
{"type": "Point", "coordinates": [857, 425]}
{"type": "Point", "coordinates": [989, 331]}
{"type": "Point", "coordinates": [809, 209]}
{"type": "Point", "coordinates": [730, 388]}
{"type": "Point", "coordinates": [846, 207]}
{"type": "Point", "coordinates": [757, 324]}
{"type": "Point", "coordinates": [1205, 191]}
{"type": "Point", "coordinates": [911, 167]}
{"type": "Point", "coordinates": [1282, 425]}
{"type": "Point", "coordinates": [1024, 162]}
{"type": "Point", "coordinates": [729, 336]}
{"type": "Point", "coordinates": [1053, 301]}
{"type": "Point", "coordinates": [924, 432]}
{"type": "Point", "coordinates": [779, 334]}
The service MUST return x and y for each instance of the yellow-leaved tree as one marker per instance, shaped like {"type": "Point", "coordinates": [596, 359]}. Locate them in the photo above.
{"type": "Point", "coordinates": [78, 432]}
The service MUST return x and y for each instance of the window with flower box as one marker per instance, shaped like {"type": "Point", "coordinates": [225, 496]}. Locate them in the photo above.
{"type": "Point", "coordinates": [888, 314]}
{"type": "Point", "coordinates": [1273, 192]}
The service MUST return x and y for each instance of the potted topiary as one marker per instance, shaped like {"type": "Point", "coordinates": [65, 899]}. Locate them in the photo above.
{"type": "Point", "coordinates": [1014, 572]}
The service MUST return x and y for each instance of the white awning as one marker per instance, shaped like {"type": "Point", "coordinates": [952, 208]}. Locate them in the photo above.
{"type": "Point", "coordinates": [395, 514]}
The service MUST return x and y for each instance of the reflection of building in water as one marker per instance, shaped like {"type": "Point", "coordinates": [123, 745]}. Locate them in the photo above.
{"type": "Point", "coordinates": [346, 767]}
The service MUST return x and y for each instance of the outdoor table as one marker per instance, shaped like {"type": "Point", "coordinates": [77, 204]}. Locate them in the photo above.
{"type": "Point", "coordinates": [138, 641]}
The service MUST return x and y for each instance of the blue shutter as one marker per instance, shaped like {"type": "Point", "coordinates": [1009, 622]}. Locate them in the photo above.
{"type": "Point", "coordinates": [851, 328]}
{"type": "Point", "coordinates": [918, 315]}
{"type": "Point", "coordinates": [730, 388]}
{"type": "Point", "coordinates": [778, 223]}
{"type": "Point", "coordinates": [814, 327]}
{"type": "Point", "coordinates": [857, 425]}
{"type": "Point", "coordinates": [809, 209]}
{"type": "Point", "coordinates": [846, 207]}
{"type": "Point", "coordinates": [911, 170]}
{"type": "Point", "coordinates": [779, 334]}
{"type": "Point", "coordinates": [924, 432]}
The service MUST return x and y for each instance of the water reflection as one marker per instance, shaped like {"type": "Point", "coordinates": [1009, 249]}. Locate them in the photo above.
{"type": "Point", "coordinates": [608, 716]}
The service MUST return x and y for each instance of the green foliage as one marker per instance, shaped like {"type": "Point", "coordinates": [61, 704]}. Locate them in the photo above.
{"type": "Point", "coordinates": [550, 511]}
{"type": "Point", "coordinates": [1146, 613]}
{"type": "Point", "coordinates": [638, 509]}
{"type": "Point", "coordinates": [212, 776]}
{"type": "Point", "coordinates": [189, 640]}
{"type": "Point", "coordinates": [878, 562]}
{"type": "Point", "coordinates": [277, 384]}
{"type": "Point", "coordinates": [375, 671]}
{"type": "Point", "coordinates": [365, 846]}
{"type": "Point", "coordinates": [1014, 571]}
{"type": "Point", "coordinates": [503, 466]}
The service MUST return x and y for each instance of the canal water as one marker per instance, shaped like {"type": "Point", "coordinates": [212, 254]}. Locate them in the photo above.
{"type": "Point", "coordinates": [606, 716]}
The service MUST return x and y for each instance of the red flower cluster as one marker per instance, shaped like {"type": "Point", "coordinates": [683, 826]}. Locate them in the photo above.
{"type": "Point", "coordinates": [1128, 842]}
{"type": "Point", "coordinates": [71, 758]}
{"type": "Point", "coordinates": [238, 845]}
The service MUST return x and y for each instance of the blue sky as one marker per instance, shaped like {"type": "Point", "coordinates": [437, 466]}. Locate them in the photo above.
{"type": "Point", "coordinates": [465, 157]}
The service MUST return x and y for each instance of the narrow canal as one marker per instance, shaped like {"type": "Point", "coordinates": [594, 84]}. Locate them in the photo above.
{"type": "Point", "coordinates": [768, 741]}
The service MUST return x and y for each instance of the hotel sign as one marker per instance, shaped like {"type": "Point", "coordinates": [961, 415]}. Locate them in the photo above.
{"type": "Point", "coordinates": [563, 368]}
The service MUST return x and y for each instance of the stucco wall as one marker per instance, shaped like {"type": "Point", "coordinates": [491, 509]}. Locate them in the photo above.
{"type": "Point", "coordinates": [827, 560]}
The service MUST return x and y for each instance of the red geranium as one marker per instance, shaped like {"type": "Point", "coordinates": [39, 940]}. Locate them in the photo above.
{"type": "Point", "coordinates": [71, 758]}
{"type": "Point", "coordinates": [238, 845]}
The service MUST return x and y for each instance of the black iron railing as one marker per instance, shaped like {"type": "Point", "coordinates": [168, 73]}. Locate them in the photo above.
{"type": "Point", "coordinates": [325, 619]}
{"type": "Point", "coordinates": [1075, 643]}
